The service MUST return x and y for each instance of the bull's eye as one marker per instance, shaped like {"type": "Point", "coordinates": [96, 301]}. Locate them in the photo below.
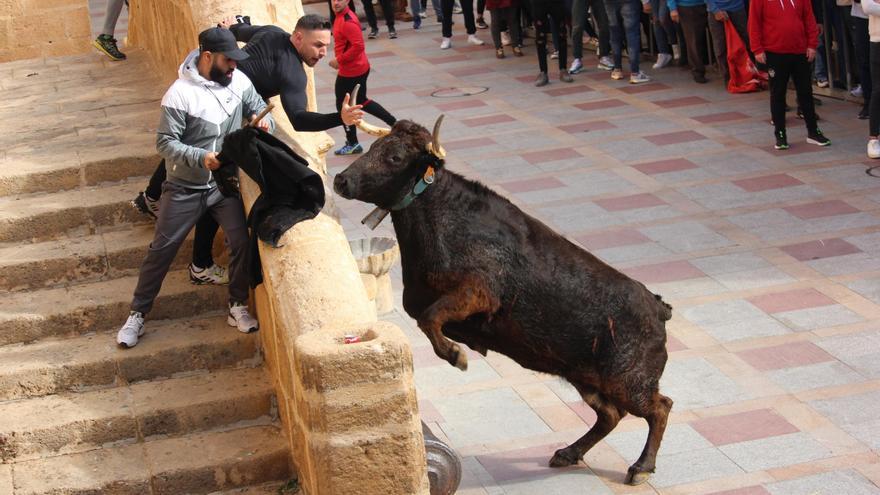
{"type": "Point", "coordinates": [394, 159]}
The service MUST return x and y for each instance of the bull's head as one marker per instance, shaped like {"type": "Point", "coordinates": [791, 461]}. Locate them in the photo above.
{"type": "Point", "coordinates": [386, 173]}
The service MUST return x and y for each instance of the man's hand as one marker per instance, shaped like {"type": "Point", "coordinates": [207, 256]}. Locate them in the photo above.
{"type": "Point", "coordinates": [262, 124]}
{"type": "Point", "coordinates": [811, 54]}
{"type": "Point", "coordinates": [334, 64]}
{"type": "Point", "coordinates": [351, 114]}
{"type": "Point", "coordinates": [721, 16]}
{"type": "Point", "coordinates": [673, 14]}
{"type": "Point", "coordinates": [211, 161]}
{"type": "Point", "coordinates": [761, 57]}
{"type": "Point", "coordinates": [225, 23]}
{"type": "Point", "coordinates": [646, 8]}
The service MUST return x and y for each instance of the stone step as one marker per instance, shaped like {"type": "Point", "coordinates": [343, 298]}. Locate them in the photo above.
{"type": "Point", "coordinates": [81, 259]}
{"type": "Point", "coordinates": [96, 306]}
{"type": "Point", "coordinates": [271, 488]}
{"type": "Point", "coordinates": [31, 218]}
{"type": "Point", "coordinates": [197, 463]}
{"type": "Point", "coordinates": [76, 422]}
{"type": "Point", "coordinates": [95, 361]}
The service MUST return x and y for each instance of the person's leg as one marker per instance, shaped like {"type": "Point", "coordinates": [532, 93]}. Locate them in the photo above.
{"type": "Point", "coordinates": [513, 25]}
{"type": "Point", "coordinates": [229, 213]}
{"type": "Point", "coordinates": [589, 28]}
{"type": "Point", "coordinates": [495, 26]}
{"type": "Point", "coordinates": [481, 8]}
{"type": "Point", "coordinates": [578, 20]}
{"type": "Point", "coordinates": [719, 45]}
{"type": "Point", "coordinates": [203, 241]}
{"type": "Point", "coordinates": [438, 9]}
{"type": "Point", "coordinates": [178, 212]}
{"type": "Point", "coordinates": [343, 86]}
{"type": "Point", "coordinates": [740, 21]}
{"type": "Point", "coordinates": [612, 8]}
{"type": "Point", "coordinates": [779, 70]}
{"type": "Point", "coordinates": [861, 41]}
{"type": "Point", "coordinates": [597, 10]}
{"type": "Point", "coordinates": [657, 7]}
{"type": "Point", "coordinates": [415, 7]}
{"type": "Point", "coordinates": [539, 14]}
{"type": "Point", "coordinates": [111, 16]}
{"type": "Point", "coordinates": [467, 7]}
{"type": "Point", "coordinates": [447, 17]}
{"type": "Point", "coordinates": [154, 188]}
{"type": "Point", "coordinates": [631, 11]}
{"type": "Point", "coordinates": [803, 83]}
{"type": "Point", "coordinates": [693, 23]}
{"type": "Point", "coordinates": [821, 64]}
{"type": "Point", "coordinates": [388, 13]}
{"type": "Point", "coordinates": [874, 105]}
{"type": "Point", "coordinates": [557, 17]}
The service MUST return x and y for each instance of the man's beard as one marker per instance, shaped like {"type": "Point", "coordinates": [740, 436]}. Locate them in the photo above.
{"type": "Point", "coordinates": [220, 77]}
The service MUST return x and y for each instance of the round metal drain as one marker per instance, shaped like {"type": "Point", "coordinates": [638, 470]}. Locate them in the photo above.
{"type": "Point", "coordinates": [459, 92]}
{"type": "Point", "coordinates": [873, 171]}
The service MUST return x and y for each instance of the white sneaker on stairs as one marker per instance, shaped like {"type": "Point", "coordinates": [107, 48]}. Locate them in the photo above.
{"type": "Point", "coordinates": [241, 319]}
{"type": "Point", "coordinates": [127, 336]}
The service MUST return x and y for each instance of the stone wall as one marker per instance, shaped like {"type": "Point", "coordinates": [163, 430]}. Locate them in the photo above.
{"type": "Point", "coordinates": [43, 28]}
{"type": "Point", "coordinates": [349, 410]}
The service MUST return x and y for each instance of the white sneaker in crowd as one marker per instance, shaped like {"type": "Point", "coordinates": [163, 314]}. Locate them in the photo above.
{"type": "Point", "coordinates": [505, 38]}
{"type": "Point", "coordinates": [638, 78]}
{"type": "Point", "coordinates": [605, 63]}
{"type": "Point", "coordinates": [214, 274]}
{"type": "Point", "coordinates": [472, 39]}
{"type": "Point", "coordinates": [134, 327]}
{"type": "Point", "coordinates": [241, 319]}
{"type": "Point", "coordinates": [554, 55]}
{"type": "Point", "coordinates": [617, 74]}
{"type": "Point", "coordinates": [446, 44]}
{"type": "Point", "coordinates": [874, 148]}
{"type": "Point", "coordinates": [663, 60]}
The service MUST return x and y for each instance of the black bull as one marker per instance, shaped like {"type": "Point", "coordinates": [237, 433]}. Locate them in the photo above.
{"type": "Point", "coordinates": [480, 271]}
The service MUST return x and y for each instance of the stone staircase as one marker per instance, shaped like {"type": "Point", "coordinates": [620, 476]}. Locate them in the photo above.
{"type": "Point", "coordinates": [190, 409]}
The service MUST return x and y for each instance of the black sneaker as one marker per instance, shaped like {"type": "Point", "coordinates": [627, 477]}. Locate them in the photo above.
{"type": "Point", "coordinates": [145, 205]}
{"type": "Point", "coordinates": [816, 137]}
{"type": "Point", "coordinates": [392, 34]}
{"type": "Point", "coordinates": [374, 32]}
{"type": "Point", "coordinates": [864, 113]}
{"type": "Point", "coordinates": [481, 23]}
{"type": "Point", "coordinates": [106, 44]}
{"type": "Point", "coordinates": [781, 140]}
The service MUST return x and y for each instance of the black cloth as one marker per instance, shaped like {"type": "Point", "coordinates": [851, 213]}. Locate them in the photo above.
{"type": "Point", "coordinates": [345, 85]}
{"type": "Point", "coordinates": [291, 191]}
{"type": "Point", "coordinates": [783, 66]}
{"type": "Point", "coordinates": [275, 68]}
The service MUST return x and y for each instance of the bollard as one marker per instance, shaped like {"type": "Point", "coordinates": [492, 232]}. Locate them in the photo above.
{"type": "Point", "coordinates": [444, 465]}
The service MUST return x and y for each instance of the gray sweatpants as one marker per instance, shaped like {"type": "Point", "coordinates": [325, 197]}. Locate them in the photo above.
{"type": "Point", "coordinates": [114, 8]}
{"type": "Point", "coordinates": [180, 209]}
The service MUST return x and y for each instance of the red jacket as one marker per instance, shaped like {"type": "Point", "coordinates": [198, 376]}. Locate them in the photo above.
{"type": "Point", "coordinates": [348, 45]}
{"type": "Point", "coordinates": [782, 26]}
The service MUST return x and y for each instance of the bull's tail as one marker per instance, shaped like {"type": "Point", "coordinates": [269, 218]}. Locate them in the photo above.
{"type": "Point", "coordinates": [665, 309]}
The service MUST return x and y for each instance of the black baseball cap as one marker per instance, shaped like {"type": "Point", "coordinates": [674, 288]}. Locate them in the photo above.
{"type": "Point", "coordinates": [219, 40]}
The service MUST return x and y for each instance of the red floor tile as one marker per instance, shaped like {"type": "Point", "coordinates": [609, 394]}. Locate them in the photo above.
{"type": "Point", "coordinates": [460, 105]}
{"type": "Point", "coordinates": [713, 118]}
{"type": "Point", "coordinates": [383, 90]}
{"type": "Point", "coordinates": [550, 155]}
{"type": "Point", "coordinates": [521, 463]}
{"type": "Point", "coordinates": [490, 119]}
{"type": "Point", "coordinates": [644, 88]}
{"type": "Point", "coordinates": [823, 248]}
{"type": "Point", "coordinates": [600, 105]}
{"type": "Point", "coordinates": [615, 238]}
{"type": "Point", "coordinates": [821, 209]}
{"type": "Point", "coordinates": [585, 412]}
{"type": "Point", "coordinates": [681, 102]}
{"type": "Point", "coordinates": [742, 427]}
{"type": "Point", "coordinates": [468, 143]}
{"type": "Point", "coordinates": [526, 79]}
{"type": "Point", "coordinates": [664, 166]}
{"type": "Point", "coordinates": [644, 200]}
{"type": "Point", "coordinates": [447, 59]}
{"type": "Point", "coordinates": [469, 48]}
{"type": "Point", "coordinates": [568, 90]}
{"type": "Point", "coordinates": [749, 490]}
{"type": "Point", "coordinates": [767, 182]}
{"type": "Point", "coordinates": [528, 185]}
{"type": "Point", "coordinates": [470, 71]}
{"type": "Point", "coordinates": [673, 344]}
{"type": "Point", "coordinates": [664, 272]}
{"type": "Point", "coordinates": [596, 125]}
{"type": "Point", "coordinates": [784, 356]}
{"type": "Point", "coordinates": [675, 137]}
{"type": "Point", "coordinates": [791, 300]}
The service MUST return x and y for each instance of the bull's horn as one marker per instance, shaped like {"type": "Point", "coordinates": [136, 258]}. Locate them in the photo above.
{"type": "Point", "coordinates": [368, 128]}
{"type": "Point", "coordinates": [435, 147]}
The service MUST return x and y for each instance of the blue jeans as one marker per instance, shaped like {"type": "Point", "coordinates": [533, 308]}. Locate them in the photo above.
{"type": "Point", "coordinates": [631, 12]}
{"type": "Point", "coordinates": [664, 30]}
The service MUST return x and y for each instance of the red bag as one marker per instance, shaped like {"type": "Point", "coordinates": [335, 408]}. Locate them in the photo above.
{"type": "Point", "coordinates": [744, 75]}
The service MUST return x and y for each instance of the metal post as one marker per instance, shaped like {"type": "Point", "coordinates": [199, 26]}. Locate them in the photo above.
{"type": "Point", "coordinates": [444, 465]}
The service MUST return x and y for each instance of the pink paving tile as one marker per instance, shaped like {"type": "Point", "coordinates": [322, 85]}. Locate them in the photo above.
{"type": "Point", "coordinates": [615, 238]}
{"type": "Point", "coordinates": [383, 90]}
{"type": "Point", "coordinates": [600, 105]}
{"type": "Point", "coordinates": [585, 412]}
{"type": "Point", "coordinates": [767, 182]}
{"type": "Point", "coordinates": [643, 88]}
{"type": "Point", "coordinates": [675, 137]}
{"type": "Point", "coordinates": [429, 413]}
{"type": "Point", "coordinates": [470, 71]}
{"type": "Point", "coordinates": [384, 53]}
{"type": "Point", "coordinates": [748, 490]}
{"type": "Point", "coordinates": [664, 272]}
{"type": "Point", "coordinates": [490, 119]}
{"type": "Point", "coordinates": [635, 201]}
{"type": "Point", "coordinates": [596, 125]}
{"type": "Point", "coordinates": [713, 118]}
{"type": "Point", "coordinates": [823, 248]}
{"type": "Point", "coordinates": [664, 166]}
{"type": "Point", "coordinates": [673, 344]}
{"type": "Point", "coordinates": [784, 356]}
{"type": "Point", "coordinates": [460, 105]}
{"type": "Point", "coordinates": [468, 48]}
{"type": "Point", "coordinates": [536, 157]}
{"type": "Point", "coordinates": [468, 143]}
{"type": "Point", "coordinates": [541, 183]}
{"type": "Point", "coordinates": [526, 79]}
{"type": "Point", "coordinates": [447, 59]}
{"type": "Point", "coordinates": [568, 90]}
{"type": "Point", "coordinates": [424, 92]}
{"type": "Point", "coordinates": [742, 427]}
{"type": "Point", "coordinates": [681, 102]}
{"type": "Point", "coordinates": [791, 300]}
{"type": "Point", "coordinates": [821, 209]}
{"type": "Point", "coordinates": [522, 463]}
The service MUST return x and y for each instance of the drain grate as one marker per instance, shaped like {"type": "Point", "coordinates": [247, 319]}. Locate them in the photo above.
{"type": "Point", "coordinates": [459, 92]}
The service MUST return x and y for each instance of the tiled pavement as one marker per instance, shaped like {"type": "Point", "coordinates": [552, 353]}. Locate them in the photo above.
{"type": "Point", "coordinates": [771, 260]}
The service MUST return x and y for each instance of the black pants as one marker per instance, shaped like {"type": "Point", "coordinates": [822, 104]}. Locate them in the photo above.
{"type": "Point", "coordinates": [510, 17]}
{"type": "Point", "coordinates": [862, 43]}
{"type": "Point", "coordinates": [783, 66]}
{"type": "Point", "coordinates": [693, 23]}
{"type": "Point", "coordinates": [555, 10]}
{"type": "Point", "coordinates": [387, 11]}
{"type": "Point", "coordinates": [206, 227]}
{"type": "Point", "coordinates": [467, 8]}
{"type": "Point", "coordinates": [346, 85]}
{"type": "Point", "coordinates": [740, 21]}
{"type": "Point", "coordinates": [874, 109]}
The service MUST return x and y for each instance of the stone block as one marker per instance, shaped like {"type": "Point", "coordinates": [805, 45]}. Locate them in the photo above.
{"type": "Point", "coordinates": [16, 53]}
{"type": "Point", "coordinates": [370, 285]}
{"type": "Point", "coordinates": [6, 33]}
{"type": "Point", "coordinates": [77, 23]}
{"type": "Point", "coordinates": [384, 294]}
{"type": "Point", "coordinates": [358, 408]}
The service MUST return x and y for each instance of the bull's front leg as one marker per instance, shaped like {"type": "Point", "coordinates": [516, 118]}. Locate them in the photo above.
{"type": "Point", "coordinates": [466, 300]}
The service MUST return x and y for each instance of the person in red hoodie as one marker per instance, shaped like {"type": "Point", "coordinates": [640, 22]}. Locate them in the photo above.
{"type": "Point", "coordinates": [783, 35]}
{"type": "Point", "coordinates": [353, 68]}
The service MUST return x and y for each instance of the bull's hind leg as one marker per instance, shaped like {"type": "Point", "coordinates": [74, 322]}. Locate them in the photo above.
{"type": "Point", "coordinates": [607, 417]}
{"type": "Point", "coordinates": [656, 412]}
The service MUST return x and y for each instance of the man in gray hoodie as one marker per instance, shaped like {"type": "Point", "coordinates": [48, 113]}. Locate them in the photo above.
{"type": "Point", "coordinates": [208, 101]}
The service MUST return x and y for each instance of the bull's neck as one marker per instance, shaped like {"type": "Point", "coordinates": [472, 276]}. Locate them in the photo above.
{"type": "Point", "coordinates": [424, 207]}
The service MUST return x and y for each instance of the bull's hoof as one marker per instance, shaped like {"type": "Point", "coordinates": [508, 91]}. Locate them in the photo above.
{"type": "Point", "coordinates": [636, 477]}
{"type": "Point", "coordinates": [564, 457]}
{"type": "Point", "coordinates": [459, 358]}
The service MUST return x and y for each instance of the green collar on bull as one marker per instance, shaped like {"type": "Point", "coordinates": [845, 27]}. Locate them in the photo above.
{"type": "Point", "coordinates": [417, 189]}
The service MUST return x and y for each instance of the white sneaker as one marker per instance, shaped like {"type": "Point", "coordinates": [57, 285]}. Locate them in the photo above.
{"type": "Point", "coordinates": [472, 39]}
{"type": "Point", "coordinates": [874, 148]}
{"type": "Point", "coordinates": [505, 38]}
{"type": "Point", "coordinates": [214, 274]}
{"type": "Point", "coordinates": [241, 319]}
{"type": "Point", "coordinates": [676, 51]}
{"type": "Point", "coordinates": [446, 44]}
{"type": "Point", "coordinates": [127, 336]}
{"type": "Point", "coordinates": [663, 60]}
{"type": "Point", "coordinates": [606, 63]}
{"type": "Point", "coordinates": [857, 91]}
{"type": "Point", "coordinates": [617, 74]}
{"type": "Point", "coordinates": [638, 78]}
{"type": "Point", "coordinates": [554, 55]}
